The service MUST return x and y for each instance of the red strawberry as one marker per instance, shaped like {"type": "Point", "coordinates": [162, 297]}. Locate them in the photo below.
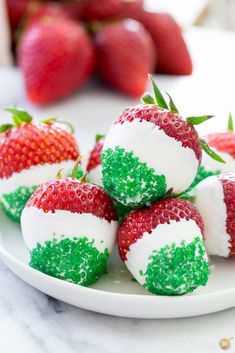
{"type": "Point", "coordinates": [71, 195]}
{"type": "Point", "coordinates": [147, 147]}
{"type": "Point", "coordinates": [171, 123]}
{"type": "Point", "coordinates": [56, 58]}
{"type": "Point", "coordinates": [16, 10]}
{"type": "Point", "coordinates": [222, 142]}
{"type": "Point", "coordinates": [125, 56]}
{"type": "Point", "coordinates": [104, 9]}
{"type": "Point", "coordinates": [75, 230]}
{"type": "Point", "coordinates": [33, 143]}
{"type": "Point", "coordinates": [94, 159]}
{"type": "Point", "coordinates": [161, 243]}
{"type": "Point", "coordinates": [145, 220]}
{"type": "Point", "coordinates": [172, 52]}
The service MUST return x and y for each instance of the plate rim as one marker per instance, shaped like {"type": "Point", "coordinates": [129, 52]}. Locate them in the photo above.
{"type": "Point", "coordinates": [13, 262]}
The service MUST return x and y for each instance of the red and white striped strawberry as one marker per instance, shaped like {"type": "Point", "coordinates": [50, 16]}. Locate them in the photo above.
{"type": "Point", "coordinates": [150, 150]}
{"type": "Point", "coordinates": [162, 246]}
{"type": "Point", "coordinates": [70, 229]}
{"type": "Point", "coordinates": [31, 153]}
{"type": "Point", "coordinates": [215, 200]}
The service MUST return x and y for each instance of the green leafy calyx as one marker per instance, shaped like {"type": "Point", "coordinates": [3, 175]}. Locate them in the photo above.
{"type": "Point", "coordinates": [210, 152]}
{"type": "Point", "coordinates": [196, 120]}
{"type": "Point", "coordinates": [98, 137]}
{"type": "Point", "coordinates": [230, 123]}
{"type": "Point", "coordinates": [19, 117]}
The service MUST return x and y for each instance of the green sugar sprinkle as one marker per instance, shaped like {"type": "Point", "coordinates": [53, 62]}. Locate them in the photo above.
{"type": "Point", "coordinates": [201, 175]}
{"type": "Point", "coordinates": [130, 181]}
{"type": "Point", "coordinates": [75, 260]}
{"type": "Point", "coordinates": [14, 203]}
{"type": "Point", "coordinates": [177, 270]}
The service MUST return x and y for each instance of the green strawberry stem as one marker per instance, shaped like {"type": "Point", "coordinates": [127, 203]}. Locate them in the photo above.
{"type": "Point", "coordinates": [49, 120]}
{"type": "Point", "coordinates": [230, 123]}
{"type": "Point", "coordinates": [158, 95]}
{"type": "Point", "coordinates": [98, 137]}
{"type": "Point", "coordinates": [20, 117]}
{"type": "Point", "coordinates": [196, 120]}
{"type": "Point", "coordinates": [59, 174]}
{"type": "Point", "coordinates": [5, 127]}
{"type": "Point", "coordinates": [172, 105]}
{"type": "Point", "coordinates": [210, 152]}
{"type": "Point", "coordinates": [76, 167]}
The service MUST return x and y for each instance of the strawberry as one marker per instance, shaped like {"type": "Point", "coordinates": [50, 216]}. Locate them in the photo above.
{"type": "Point", "coordinates": [75, 227]}
{"type": "Point", "coordinates": [224, 144]}
{"type": "Point", "coordinates": [172, 52]}
{"type": "Point", "coordinates": [16, 10]}
{"type": "Point", "coordinates": [104, 9]}
{"type": "Point", "coordinates": [215, 200]}
{"type": "Point", "coordinates": [125, 56]}
{"type": "Point", "coordinates": [31, 153]}
{"type": "Point", "coordinates": [44, 12]}
{"type": "Point", "coordinates": [162, 246]}
{"type": "Point", "coordinates": [151, 150]}
{"type": "Point", "coordinates": [64, 56]}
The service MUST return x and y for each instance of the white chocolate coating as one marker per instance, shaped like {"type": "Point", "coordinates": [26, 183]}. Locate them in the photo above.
{"type": "Point", "coordinates": [212, 165]}
{"type": "Point", "coordinates": [35, 175]}
{"type": "Point", "coordinates": [210, 203]}
{"type": "Point", "coordinates": [162, 153]}
{"type": "Point", "coordinates": [94, 176]}
{"type": "Point", "coordinates": [163, 234]}
{"type": "Point", "coordinates": [38, 227]}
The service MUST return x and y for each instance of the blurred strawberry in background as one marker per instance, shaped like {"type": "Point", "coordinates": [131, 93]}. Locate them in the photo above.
{"type": "Point", "coordinates": [105, 9]}
{"type": "Point", "coordinates": [56, 57]}
{"type": "Point", "coordinates": [56, 42]}
{"type": "Point", "coordinates": [125, 56]}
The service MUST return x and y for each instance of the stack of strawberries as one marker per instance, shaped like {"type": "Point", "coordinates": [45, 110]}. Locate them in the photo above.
{"type": "Point", "coordinates": [60, 44]}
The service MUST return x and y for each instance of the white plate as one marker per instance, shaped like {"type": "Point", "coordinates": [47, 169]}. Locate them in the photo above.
{"type": "Point", "coordinates": [116, 293]}
{"type": "Point", "coordinates": [92, 111]}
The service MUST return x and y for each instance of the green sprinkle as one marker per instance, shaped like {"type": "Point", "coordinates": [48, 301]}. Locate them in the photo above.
{"type": "Point", "coordinates": [74, 260]}
{"type": "Point", "coordinates": [201, 175]}
{"type": "Point", "coordinates": [14, 202]}
{"type": "Point", "coordinates": [177, 270]}
{"type": "Point", "coordinates": [130, 181]}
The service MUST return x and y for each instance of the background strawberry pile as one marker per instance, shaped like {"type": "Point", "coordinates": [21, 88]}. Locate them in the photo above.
{"type": "Point", "coordinates": [59, 45]}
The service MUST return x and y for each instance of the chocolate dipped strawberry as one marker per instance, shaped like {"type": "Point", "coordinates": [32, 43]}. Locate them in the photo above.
{"type": "Point", "coordinates": [150, 151]}
{"type": "Point", "coordinates": [70, 229]}
{"type": "Point", "coordinates": [162, 246]}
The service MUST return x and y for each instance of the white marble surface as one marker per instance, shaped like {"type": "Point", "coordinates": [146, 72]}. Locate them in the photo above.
{"type": "Point", "coordinates": [30, 322]}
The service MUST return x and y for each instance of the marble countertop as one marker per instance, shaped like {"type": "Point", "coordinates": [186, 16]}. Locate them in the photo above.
{"type": "Point", "coordinates": [31, 322]}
